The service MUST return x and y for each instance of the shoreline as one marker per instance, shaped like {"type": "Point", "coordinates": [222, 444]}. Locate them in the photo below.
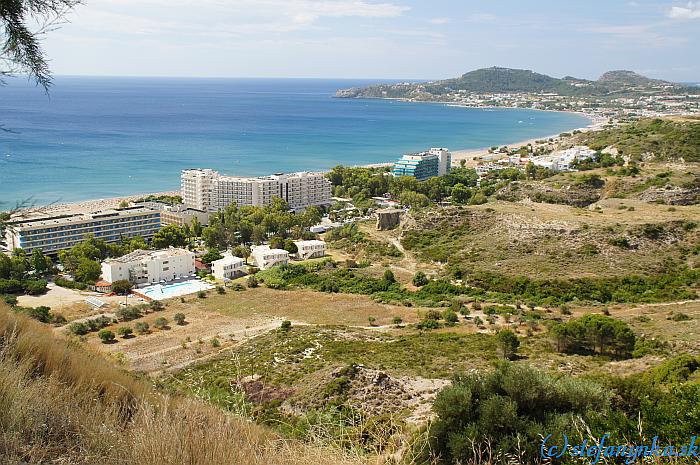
{"type": "Point", "coordinates": [91, 205]}
{"type": "Point", "coordinates": [469, 155]}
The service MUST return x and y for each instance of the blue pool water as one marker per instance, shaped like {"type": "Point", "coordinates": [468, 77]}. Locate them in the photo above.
{"type": "Point", "coordinates": [105, 137]}
{"type": "Point", "coordinates": [167, 291]}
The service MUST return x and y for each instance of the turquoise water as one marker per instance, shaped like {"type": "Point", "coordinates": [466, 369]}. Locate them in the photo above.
{"type": "Point", "coordinates": [160, 292]}
{"type": "Point", "coordinates": [106, 137]}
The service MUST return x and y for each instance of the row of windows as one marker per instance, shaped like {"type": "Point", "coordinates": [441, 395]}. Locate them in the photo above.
{"type": "Point", "coordinates": [96, 223]}
{"type": "Point", "coordinates": [41, 234]}
{"type": "Point", "coordinates": [69, 242]}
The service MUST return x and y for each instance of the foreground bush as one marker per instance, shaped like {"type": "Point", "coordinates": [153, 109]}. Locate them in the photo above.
{"type": "Point", "coordinates": [506, 412]}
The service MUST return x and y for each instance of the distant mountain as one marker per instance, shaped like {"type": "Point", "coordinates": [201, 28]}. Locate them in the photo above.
{"type": "Point", "coordinates": [624, 77]}
{"type": "Point", "coordinates": [504, 80]}
{"type": "Point", "coordinates": [507, 80]}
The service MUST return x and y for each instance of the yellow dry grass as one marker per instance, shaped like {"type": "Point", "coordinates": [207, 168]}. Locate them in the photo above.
{"type": "Point", "coordinates": [62, 404]}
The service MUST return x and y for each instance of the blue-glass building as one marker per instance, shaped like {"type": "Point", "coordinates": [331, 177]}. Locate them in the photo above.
{"type": "Point", "coordinates": [423, 165]}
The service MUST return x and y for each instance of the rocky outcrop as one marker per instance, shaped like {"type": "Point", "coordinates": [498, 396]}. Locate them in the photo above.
{"type": "Point", "coordinates": [388, 219]}
{"type": "Point", "coordinates": [573, 195]}
{"type": "Point", "coordinates": [672, 196]}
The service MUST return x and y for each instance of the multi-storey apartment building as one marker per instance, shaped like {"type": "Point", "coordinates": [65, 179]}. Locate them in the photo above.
{"type": "Point", "coordinates": [177, 214]}
{"type": "Point", "coordinates": [228, 267]}
{"type": "Point", "coordinates": [303, 189]}
{"type": "Point", "coordinates": [208, 190]}
{"type": "Point", "coordinates": [149, 266]}
{"type": "Point", "coordinates": [242, 191]}
{"type": "Point", "coordinates": [264, 257]}
{"type": "Point", "coordinates": [310, 249]}
{"type": "Point", "coordinates": [196, 187]}
{"type": "Point", "coordinates": [444, 159]}
{"type": "Point", "coordinates": [424, 165]}
{"type": "Point", "coordinates": [51, 234]}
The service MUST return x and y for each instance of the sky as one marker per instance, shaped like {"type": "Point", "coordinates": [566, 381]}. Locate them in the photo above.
{"type": "Point", "coordinates": [382, 39]}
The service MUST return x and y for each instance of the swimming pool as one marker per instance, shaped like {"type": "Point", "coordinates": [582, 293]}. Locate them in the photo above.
{"type": "Point", "coordinates": [168, 291]}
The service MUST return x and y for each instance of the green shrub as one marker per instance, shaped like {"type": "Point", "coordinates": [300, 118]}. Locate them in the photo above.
{"type": "Point", "coordinates": [106, 336]}
{"type": "Point", "coordinates": [179, 318]}
{"type": "Point", "coordinates": [125, 331]}
{"type": "Point", "coordinates": [9, 299]}
{"type": "Point", "coordinates": [450, 317]}
{"type": "Point", "coordinates": [42, 313]}
{"type": "Point", "coordinates": [129, 313]}
{"type": "Point", "coordinates": [594, 333]}
{"type": "Point", "coordinates": [78, 328]}
{"type": "Point", "coordinates": [419, 279]}
{"type": "Point", "coordinates": [161, 323]}
{"type": "Point", "coordinates": [122, 287]}
{"type": "Point", "coordinates": [35, 287]}
{"type": "Point", "coordinates": [505, 411]}
{"type": "Point", "coordinates": [286, 325]}
{"type": "Point", "coordinates": [621, 242]}
{"type": "Point", "coordinates": [69, 284]}
{"type": "Point", "coordinates": [508, 343]}
{"type": "Point", "coordinates": [428, 323]}
{"type": "Point", "coordinates": [141, 327]}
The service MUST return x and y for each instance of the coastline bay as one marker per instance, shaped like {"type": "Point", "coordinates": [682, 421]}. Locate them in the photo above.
{"type": "Point", "coordinates": [109, 137]}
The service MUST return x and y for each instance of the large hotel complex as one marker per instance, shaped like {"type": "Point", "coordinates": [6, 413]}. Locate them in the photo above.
{"type": "Point", "coordinates": [207, 190]}
{"type": "Point", "coordinates": [51, 234]}
{"type": "Point", "coordinates": [203, 191]}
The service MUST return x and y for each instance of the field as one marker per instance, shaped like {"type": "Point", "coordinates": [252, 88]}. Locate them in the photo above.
{"type": "Point", "coordinates": [235, 317]}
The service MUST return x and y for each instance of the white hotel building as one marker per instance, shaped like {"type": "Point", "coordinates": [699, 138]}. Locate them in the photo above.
{"type": "Point", "coordinates": [207, 190]}
{"type": "Point", "coordinates": [149, 266]}
{"type": "Point", "coordinates": [51, 234]}
{"type": "Point", "coordinates": [228, 267]}
{"type": "Point", "coordinates": [265, 258]}
{"type": "Point", "coordinates": [310, 249]}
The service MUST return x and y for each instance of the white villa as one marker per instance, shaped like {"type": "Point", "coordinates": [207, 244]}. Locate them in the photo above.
{"type": "Point", "coordinates": [149, 266]}
{"type": "Point", "coordinates": [310, 249]}
{"type": "Point", "coordinates": [564, 159]}
{"type": "Point", "coordinates": [228, 267]}
{"type": "Point", "coordinates": [264, 257]}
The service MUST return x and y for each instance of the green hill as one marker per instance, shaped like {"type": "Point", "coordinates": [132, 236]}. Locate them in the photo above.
{"type": "Point", "coordinates": [507, 80]}
{"type": "Point", "coordinates": [661, 138]}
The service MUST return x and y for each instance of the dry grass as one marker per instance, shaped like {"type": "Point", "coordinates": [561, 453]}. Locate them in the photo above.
{"type": "Point", "coordinates": [551, 241]}
{"type": "Point", "coordinates": [62, 404]}
{"type": "Point", "coordinates": [299, 305]}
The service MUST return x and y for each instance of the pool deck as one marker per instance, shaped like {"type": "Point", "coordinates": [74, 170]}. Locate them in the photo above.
{"type": "Point", "coordinates": [172, 289]}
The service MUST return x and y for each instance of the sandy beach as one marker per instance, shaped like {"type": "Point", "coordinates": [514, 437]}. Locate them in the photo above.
{"type": "Point", "coordinates": [473, 156]}
{"type": "Point", "coordinates": [91, 205]}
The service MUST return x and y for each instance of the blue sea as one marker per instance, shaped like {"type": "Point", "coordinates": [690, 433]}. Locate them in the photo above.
{"type": "Point", "coordinates": [105, 137]}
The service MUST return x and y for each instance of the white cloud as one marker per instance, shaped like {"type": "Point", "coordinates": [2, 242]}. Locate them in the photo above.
{"type": "Point", "coordinates": [482, 18]}
{"type": "Point", "coordinates": [220, 18]}
{"type": "Point", "coordinates": [638, 34]}
{"type": "Point", "coordinates": [691, 11]}
{"type": "Point", "coordinates": [439, 21]}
